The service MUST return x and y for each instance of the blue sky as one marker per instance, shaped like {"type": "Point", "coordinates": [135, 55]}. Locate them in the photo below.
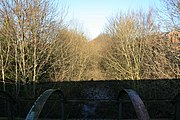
{"type": "Point", "coordinates": [92, 15]}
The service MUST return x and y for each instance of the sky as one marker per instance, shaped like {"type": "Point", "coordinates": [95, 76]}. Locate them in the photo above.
{"type": "Point", "coordinates": [91, 16]}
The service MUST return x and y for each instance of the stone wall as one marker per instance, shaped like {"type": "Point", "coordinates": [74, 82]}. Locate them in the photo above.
{"type": "Point", "coordinates": [156, 94]}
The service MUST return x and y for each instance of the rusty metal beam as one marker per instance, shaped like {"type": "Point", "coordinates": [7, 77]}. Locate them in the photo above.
{"type": "Point", "coordinates": [141, 111]}
{"type": "Point", "coordinates": [40, 102]}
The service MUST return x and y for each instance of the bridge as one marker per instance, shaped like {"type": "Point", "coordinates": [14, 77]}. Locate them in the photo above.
{"type": "Point", "coordinates": [38, 105]}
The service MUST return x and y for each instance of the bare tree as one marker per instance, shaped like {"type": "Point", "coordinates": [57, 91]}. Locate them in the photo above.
{"type": "Point", "coordinates": [4, 58]}
{"type": "Point", "coordinates": [30, 27]}
{"type": "Point", "coordinates": [138, 50]}
{"type": "Point", "coordinates": [169, 14]}
{"type": "Point", "coordinates": [126, 51]}
{"type": "Point", "coordinates": [71, 58]}
{"type": "Point", "coordinates": [169, 17]}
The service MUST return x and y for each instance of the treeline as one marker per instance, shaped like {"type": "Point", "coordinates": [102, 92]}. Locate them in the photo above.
{"type": "Point", "coordinates": [35, 47]}
{"type": "Point", "coordinates": [140, 45]}
{"type": "Point", "coordinates": [135, 49]}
